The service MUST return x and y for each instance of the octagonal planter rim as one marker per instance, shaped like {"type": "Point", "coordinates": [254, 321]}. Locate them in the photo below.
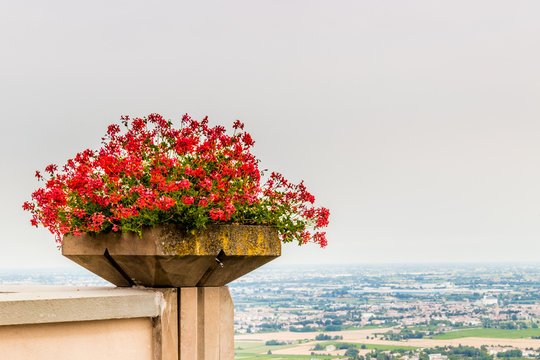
{"type": "Point", "coordinates": [168, 256]}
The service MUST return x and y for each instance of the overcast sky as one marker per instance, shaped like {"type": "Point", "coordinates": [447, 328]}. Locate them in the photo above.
{"type": "Point", "coordinates": [416, 122]}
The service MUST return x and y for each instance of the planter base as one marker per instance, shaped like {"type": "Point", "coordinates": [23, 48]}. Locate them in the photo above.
{"type": "Point", "coordinates": [167, 256]}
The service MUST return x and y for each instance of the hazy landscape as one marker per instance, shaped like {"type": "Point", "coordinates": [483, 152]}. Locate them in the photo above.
{"type": "Point", "coordinates": [424, 312]}
{"type": "Point", "coordinates": [386, 308]}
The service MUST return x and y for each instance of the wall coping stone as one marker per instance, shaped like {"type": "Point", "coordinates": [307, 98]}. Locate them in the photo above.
{"type": "Point", "coordinates": [37, 304]}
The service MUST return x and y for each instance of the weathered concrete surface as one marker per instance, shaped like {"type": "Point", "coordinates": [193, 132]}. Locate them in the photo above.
{"type": "Point", "coordinates": [54, 322]}
{"type": "Point", "coordinates": [206, 324]}
{"type": "Point", "coordinates": [226, 321]}
{"type": "Point", "coordinates": [165, 327]}
{"type": "Point", "coordinates": [167, 256]}
{"type": "Point", "coordinates": [119, 339]}
{"type": "Point", "coordinates": [46, 304]}
{"type": "Point", "coordinates": [188, 315]}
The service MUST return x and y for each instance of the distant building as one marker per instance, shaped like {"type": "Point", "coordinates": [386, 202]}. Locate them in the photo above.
{"type": "Point", "coordinates": [367, 315]}
{"type": "Point", "coordinates": [437, 357]}
{"type": "Point", "coordinates": [489, 300]}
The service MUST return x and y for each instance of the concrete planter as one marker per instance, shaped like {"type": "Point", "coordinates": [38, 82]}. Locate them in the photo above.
{"type": "Point", "coordinates": [166, 256]}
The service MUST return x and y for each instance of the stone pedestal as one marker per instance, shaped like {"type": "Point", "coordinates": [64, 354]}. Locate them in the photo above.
{"type": "Point", "coordinates": [194, 265]}
{"type": "Point", "coordinates": [206, 324]}
{"type": "Point", "coordinates": [108, 323]}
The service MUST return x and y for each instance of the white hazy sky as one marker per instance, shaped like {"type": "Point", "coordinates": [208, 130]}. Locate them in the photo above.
{"type": "Point", "coordinates": [416, 122]}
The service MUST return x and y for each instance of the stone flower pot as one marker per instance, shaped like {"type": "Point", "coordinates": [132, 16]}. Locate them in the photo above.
{"type": "Point", "coordinates": [166, 256]}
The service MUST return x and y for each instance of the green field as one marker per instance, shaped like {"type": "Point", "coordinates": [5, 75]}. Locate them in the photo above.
{"type": "Point", "coordinates": [371, 346]}
{"type": "Point", "coordinates": [251, 350]}
{"type": "Point", "coordinates": [257, 347]}
{"type": "Point", "coordinates": [257, 350]}
{"type": "Point", "coordinates": [367, 327]}
{"type": "Point", "coordinates": [389, 347]}
{"type": "Point", "coordinates": [283, 357]}
{"type": "Point", "coordinates": [489, 333]}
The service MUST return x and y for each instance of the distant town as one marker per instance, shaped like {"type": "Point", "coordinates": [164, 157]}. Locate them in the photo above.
{"type": "Point", "coordinates": [437, 298]}
{"type": "Point", "coordinates": [383, 312]}
{"type": "Point", "coordinates": [426, 312]}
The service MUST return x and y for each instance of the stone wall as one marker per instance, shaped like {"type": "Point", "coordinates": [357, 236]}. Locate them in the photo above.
{"type": "Point", "coordinates": [51, 322]}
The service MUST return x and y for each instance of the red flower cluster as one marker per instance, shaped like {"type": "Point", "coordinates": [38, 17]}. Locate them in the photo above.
{"type": "Point", "coordinates": [155, 174]}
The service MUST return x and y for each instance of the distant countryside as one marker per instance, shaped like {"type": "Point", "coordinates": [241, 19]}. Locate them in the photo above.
{"type": "Point", "coordinates": [424, 312]}
{"type": "Point", "coordinates": [392, 312]}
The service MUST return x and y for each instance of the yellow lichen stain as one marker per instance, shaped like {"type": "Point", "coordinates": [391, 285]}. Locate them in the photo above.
{"type": "Point", "coordinates": [197, 246]}
{"type": "Point", "coordinates": [180, 247]}
{"type": "Point", "coordinates": [224, 241]}
{"type": "Point", "coordinates": [232, 240]}
{"type": "Point", "coordinates": [262, 244]}
{"type": "Point", "coordinates": [252, 247]}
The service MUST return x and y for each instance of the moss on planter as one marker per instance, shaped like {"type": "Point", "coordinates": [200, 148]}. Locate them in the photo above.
{"type": "Point", "coordinates": [239, 240]}
{"type": "Point", "coordinates": [168, 256]}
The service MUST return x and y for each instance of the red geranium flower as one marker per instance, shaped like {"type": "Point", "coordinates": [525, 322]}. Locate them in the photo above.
{"type": "Point", "coordinates": [153, 173]}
